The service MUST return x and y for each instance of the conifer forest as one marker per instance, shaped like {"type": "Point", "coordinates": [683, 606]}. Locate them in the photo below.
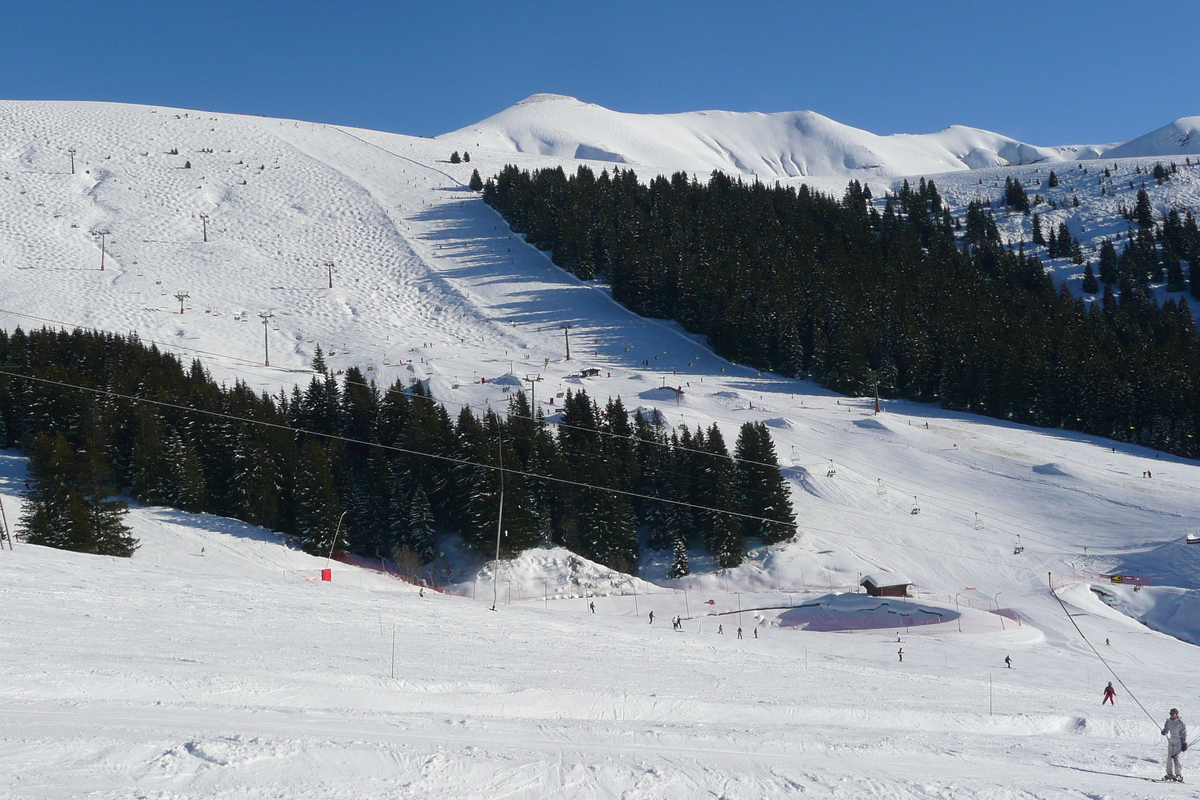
{"type": "Point", "coordinates": [98, 413]}
{"type": "Point", "coordinates": [898, 296]}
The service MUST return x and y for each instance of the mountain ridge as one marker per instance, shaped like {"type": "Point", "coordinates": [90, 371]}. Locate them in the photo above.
{"type": "Point", "coordinates": [781, 145]}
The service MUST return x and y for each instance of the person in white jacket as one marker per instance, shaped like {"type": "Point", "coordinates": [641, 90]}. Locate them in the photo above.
{"type": "Point", "coordinates": [1176, 733]}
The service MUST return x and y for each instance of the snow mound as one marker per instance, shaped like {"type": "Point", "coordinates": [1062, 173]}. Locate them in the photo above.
{"type": "Point", "coordinates": [561, 573]}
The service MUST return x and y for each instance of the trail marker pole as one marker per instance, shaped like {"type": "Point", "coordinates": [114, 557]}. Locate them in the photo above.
{"type": "Point", "coordinates": [72, 152]}
{"type": "Point", "coordinates": [393, 651]}
{"type": "Point", "coordinates": [327, 573]}
{"type": "Point", "coordinates": [499, 521]}
{"type": "Point", "coordinates": [6, 535]}
{"type": "Point", "coordinates": [329, 267]}
{"type": "Point", "coordinates": [204, 223]}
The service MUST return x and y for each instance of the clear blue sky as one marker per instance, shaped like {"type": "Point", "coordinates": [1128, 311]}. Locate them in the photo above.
{"type": "Point", "coordinates": [1049, 72]}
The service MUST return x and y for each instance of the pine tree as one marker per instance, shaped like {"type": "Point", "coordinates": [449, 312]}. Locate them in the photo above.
{"type": "Point", "coordinates": [1109, 263]}
{"type": "Point", "coordinates": [318, 510]}
{"type": "Point", "coordinates": [318, 361]}
{"type": "Point", "coordinates": [68, 505]}
{"type": "Point", "coordinates": [722, 531]}
{"type": "Point", "coordinates": [1052, 181]}
{"type": "Point", "coordinates": [761, 489]}
{"type": "Point", "coordinates": [1039, 238]}
{"type": "Point", "coordinates": [1143, 212]}
{"type": "Point", "coordinates": [679, 564]}
{"type": "Point", "coordinates": [1090, 284]}
{"type": "Point", "coordinates": [475, 184]}
{"type": "Point", "coordinates": [455, 158]}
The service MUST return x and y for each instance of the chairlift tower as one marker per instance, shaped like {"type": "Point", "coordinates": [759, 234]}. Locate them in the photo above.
{"type": "Point", "coordinates": [181, 296]}
{"type": "Point", "coordinates": [204, 224]}
{"type": "Point", "coordinates": [102, 234]}
{"type": "Point", "coordinates": [265, 316]}
{"type": "Point", "coordinates": [533, 381]}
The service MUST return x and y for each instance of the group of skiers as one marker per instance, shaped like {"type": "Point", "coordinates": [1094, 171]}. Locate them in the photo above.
{"type": "Point", "coordinates": [1174, 729]}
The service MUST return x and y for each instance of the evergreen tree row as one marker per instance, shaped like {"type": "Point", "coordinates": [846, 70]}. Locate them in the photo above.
{"type": "Point", "coordinates": [389, 469]}
{"type": "Point", "coordinates": [932, 309]}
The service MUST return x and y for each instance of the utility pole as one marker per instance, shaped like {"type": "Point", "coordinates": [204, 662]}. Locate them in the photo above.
{"type": "Point", "coordinates": [72, 152]}
{"type": "Point", "coordinates": [329, 266]}
{"type": "Point", "coordinates": [264, 316]}
{"type": "Point", "coordinates": [204, 223]}
{"type": "Point", "coordinates": [181, 296]}
{"type": "Point", "coordinates": [102, 234]}
{"type": "Point", "coordinates": [567, 339]}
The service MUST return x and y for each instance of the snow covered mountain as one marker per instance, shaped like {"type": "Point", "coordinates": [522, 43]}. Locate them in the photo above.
{"type": "Point", "coordinates": [783, 145]}
{"type": "Point", "coordinates": [210, 665]}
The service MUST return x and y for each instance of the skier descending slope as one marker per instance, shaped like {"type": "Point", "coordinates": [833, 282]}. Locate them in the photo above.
{"type": "Point", "coordinates": [1176, 733]}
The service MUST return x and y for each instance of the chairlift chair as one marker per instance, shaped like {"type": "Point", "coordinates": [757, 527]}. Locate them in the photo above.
{"type": "Point", "coordinates": [879, 489]}
{"type": "Point", "coordinates": [831, 471]}
{"type": "Point", "coordinates": [1019, 548]}
{"type": "Point", "coordinates": [978, 522]}
{"type": "Point", "coordinates": [916, 509]}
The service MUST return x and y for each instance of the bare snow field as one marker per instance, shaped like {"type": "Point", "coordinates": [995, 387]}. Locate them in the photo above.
{"type": "Point", "coordinates": [213, 663]}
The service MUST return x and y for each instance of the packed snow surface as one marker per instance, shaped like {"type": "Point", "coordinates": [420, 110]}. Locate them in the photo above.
{"type": "Point", "coordinates": [214, 663]}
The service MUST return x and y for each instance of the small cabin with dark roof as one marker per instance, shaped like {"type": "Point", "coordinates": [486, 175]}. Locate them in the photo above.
{"type": "Point", "coordinates": [886, 584]}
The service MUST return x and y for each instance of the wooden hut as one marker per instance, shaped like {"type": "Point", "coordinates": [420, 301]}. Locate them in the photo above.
{"type": "Point", "coordinates": [886, 584]}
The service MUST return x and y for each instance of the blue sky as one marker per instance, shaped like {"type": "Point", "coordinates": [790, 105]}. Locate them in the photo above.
{"type": "Point", "coordinates": [1047, 72]}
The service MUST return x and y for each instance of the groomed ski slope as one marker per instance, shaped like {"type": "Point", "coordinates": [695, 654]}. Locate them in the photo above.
{"type": "Point", "coordinates": [209, 665]}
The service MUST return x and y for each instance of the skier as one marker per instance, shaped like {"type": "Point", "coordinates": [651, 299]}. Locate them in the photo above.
{"type": "Point", "coordinates": [739, 631]}
{"type": "Point", "coordinates": [1176, 733]}
{"type": "Point", "coordinates": [651, 617]}
{"type": "Point", "coordinates": [1110, 695]}
{"type": "Point", "coordinates": [592, 606]}
{"type": "Point", "coordinates": [720, 629]}
{"type": "Point", "coordinates": [756, 633]}
{"type": "Point", "coordinates": [1008, 661]}
{"type": "Point", "coordinates": [900, 653]}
